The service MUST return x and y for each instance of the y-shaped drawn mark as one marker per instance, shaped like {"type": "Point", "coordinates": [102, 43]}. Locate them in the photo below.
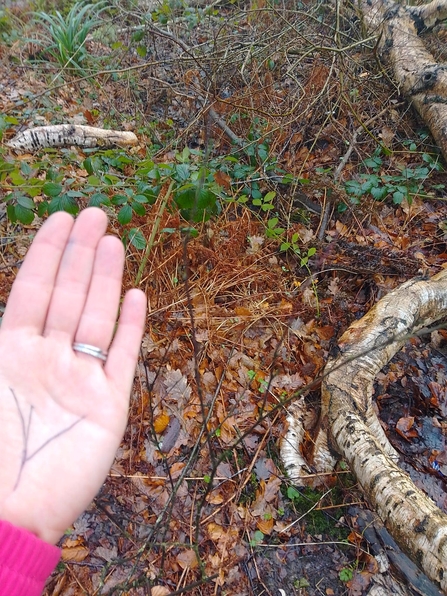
{"type": "Point", "coordinates": [26, 457]}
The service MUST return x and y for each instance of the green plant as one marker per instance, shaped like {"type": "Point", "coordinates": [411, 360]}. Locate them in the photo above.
{"type": "Point", "coordinates": [306, 503]}
{"type": "Point", "coordinates": [66, 35]}
{"type": "Point", "coordinates": [258, 537]}
{"type": "Point", "coordinates": [6, 25]}
{"type": "Point", "coordinates": [346, 574]}
{"type": "Point", "coordinates": [293, 245]}
{"type": "Point", "coordinates": [125, 183]}
{"type": "Point", "coordinates": [401, 186]}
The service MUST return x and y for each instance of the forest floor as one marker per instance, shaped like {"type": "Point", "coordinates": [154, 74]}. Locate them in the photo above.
{"type": "Point", "coordinates": [322, 191]}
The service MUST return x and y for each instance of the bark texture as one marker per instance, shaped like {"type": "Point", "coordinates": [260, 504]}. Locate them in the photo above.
{"type": "Point", "coordinates": [351, 428]}
{"type": "Point", "coordinates": [421, 79]}
{"type": "Point", "coordinates": [63, 135]}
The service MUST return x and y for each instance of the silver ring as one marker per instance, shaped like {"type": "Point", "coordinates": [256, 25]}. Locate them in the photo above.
{"type": "Point", "coordinates": [90, 350]}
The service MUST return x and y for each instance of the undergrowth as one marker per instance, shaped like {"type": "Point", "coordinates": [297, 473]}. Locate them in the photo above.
{"type": "Point", "coordinates": [239, 114]}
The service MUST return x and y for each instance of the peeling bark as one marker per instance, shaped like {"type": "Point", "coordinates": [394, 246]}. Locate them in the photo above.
{"type": "Point", "coordinates": [351, 428]}
{"type": "Point", "coordinates": [421, 79]}
{"type": "Point", "coordinates": [63, 135]}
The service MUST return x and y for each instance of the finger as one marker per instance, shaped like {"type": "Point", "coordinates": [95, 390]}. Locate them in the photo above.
{"type": "Point", "coordinates": [123, 353]}
{"type": "Point", "coordinates": [32, 290]}
{"type": "Point", "coordinates": [74, 275]}
{"type": "Point", "coordinates": [101, 309]}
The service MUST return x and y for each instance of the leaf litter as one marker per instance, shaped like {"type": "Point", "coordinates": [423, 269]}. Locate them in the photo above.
{"type": "Point", "coordinates": [197, 501]}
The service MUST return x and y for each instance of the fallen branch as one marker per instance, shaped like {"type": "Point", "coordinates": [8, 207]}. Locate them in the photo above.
{"type": "Point", "coordinates": [63, 135]}
{"type": "Point", "coordinates": [350, 427]}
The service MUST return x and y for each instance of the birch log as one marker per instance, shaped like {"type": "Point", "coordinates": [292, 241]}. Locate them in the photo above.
{"type": "Point", "coordinates": [350, 427]}
{"type": "Point", "coordinates": [420, 78]}
{"type": "Point", "coordinates": [64, 135]}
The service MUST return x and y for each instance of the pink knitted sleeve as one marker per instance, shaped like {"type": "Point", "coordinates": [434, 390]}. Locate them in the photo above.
{"type": "Point", "coordinates": [25, 561]}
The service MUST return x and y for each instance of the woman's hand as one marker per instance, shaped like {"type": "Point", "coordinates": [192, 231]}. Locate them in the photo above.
{"type": "Point", "coordinates": [63, 412]}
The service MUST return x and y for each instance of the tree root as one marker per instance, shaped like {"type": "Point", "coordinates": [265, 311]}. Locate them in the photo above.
{"type": "Point", "coordinates": [350, 427]}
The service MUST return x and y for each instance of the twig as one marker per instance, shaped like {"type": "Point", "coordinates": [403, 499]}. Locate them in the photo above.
{"type": "Point", "coordinates": [227, 130]}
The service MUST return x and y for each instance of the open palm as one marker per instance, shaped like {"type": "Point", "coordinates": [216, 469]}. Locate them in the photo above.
{"type": "Point", "coordinates": [63, 413]}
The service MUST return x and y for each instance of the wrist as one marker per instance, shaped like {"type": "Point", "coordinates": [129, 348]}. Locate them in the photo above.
{"type": "Point", "coordinates": [25, 561]}
{"type": "Point", "coordinates": [28, 518]}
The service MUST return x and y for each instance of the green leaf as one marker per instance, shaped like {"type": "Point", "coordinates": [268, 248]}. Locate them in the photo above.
{"type": "Point", "coordinates": [52, 189]}
{"type": "Point", "coordinates": [111, 180]}
{"type": "Point", "coordinates": [63, 203]}
{"type": "Point", "coordinates": [346, 575]}
{"type": "Point", "coordinates": [190, 231]}
{"type": "Point", "coordinates": [373, 162]}
{"type": "Point", "coordinates": [138, 35]}
{"type": "Point", "coordinates": [16, 178]}
{"type": "Point", "coordinates": [293, 493]}
{"type": "Point", "coordinates": [269, 196]}
{"type": "Point", "coordinates": [398, 197]}
{"type": "Point", "coordinates": [141, 199]}
{"type": "Point", "coordinates": [138, 208]}
{"type": "Point", "coordinates": [26, 168]}
{"type": "Point", "coordinates": [182, 172]}
{"type": "Point", "coordinates": [94, 180]}
{"type": "Point", "coordinates": [353, 188]}
{"type": "Point", "coordinates": [97, 199]}
{"type": "Point", "coordinates": [119, 199]}
{"type": "Point", "coordinates": [24, 215]}
{"type": "Point", "coordinates": [258, 536]}
{"type": "Point", "coordinates": [197, 203]}
{"type": "Point", "coordinates": [137, 239]}
{"type": "Point", "coordinates": [88, 165]}
{"type": "Point", "coordinates": [142, 51]}
{"type": "Point", "coordinates": [125, 215]}
{"type": "Point", "coordinates": [11, 212]}
{"type": "Point", "coordinates": [5, 166]}
{"type": "Point", "coordinates": [42, 208]}
{"type": "Point", "coordinates": [378, 192]}
{"type": "Point", "coordinates": [25, 202]}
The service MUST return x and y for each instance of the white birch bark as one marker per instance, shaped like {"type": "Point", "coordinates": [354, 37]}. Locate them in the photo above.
{"type": "Point", "coordinates": [421, 79]}
{"type": "Point", "coordinates": [65, 135]}
{"type": "Point", "coordinates": [350, 426]}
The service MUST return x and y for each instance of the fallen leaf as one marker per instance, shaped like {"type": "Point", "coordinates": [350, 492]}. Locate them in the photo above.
{"type": "Point", "coordinates": [187, 559]}
{"type": "Point", "coordinates": [160, 591]}
{"type": "Point", "coordinates": [404, 427]}
{"type": "Point", "coordinates": [265, 525]}
{"type": "Point", "coordinates": [161, 422]}
{"type": "Point", "coordinates": [75, 554]}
